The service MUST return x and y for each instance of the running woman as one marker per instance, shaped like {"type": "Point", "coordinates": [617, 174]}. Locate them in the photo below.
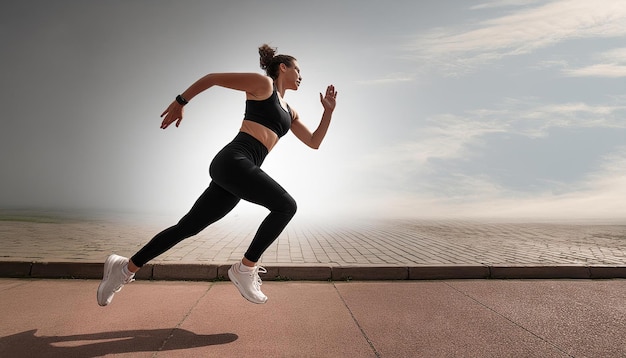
{"type": "Point", "coordinates": [235, 171]}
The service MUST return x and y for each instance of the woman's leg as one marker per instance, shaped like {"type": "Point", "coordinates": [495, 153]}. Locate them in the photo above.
{"type": "Point", "coordinates": [211, 206]}
{"type": "Point", "coordinates": [247, 181]}
{"type": "Point", "coordinates": [256, 186]}
{"type": "Point", "coordinates": [282, 209]}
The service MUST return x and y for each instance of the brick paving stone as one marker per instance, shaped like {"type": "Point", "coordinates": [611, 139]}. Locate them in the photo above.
{"type": "Point", "coordinates": [390, 242]}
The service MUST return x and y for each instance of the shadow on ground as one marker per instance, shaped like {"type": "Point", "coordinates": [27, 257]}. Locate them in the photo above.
{"type": "Point", "coordinates": [27, 344]}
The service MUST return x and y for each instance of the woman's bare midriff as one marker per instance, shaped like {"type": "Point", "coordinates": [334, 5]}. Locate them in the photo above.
{"type": "Point", "coordinates": [260, 132]}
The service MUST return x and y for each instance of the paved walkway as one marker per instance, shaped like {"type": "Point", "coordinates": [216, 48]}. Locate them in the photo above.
{"type": "Point", "coordinates": [392, 249]}
{"type": "Point", "coordinates": [324, 318]}
{"type": "Point", "coordinates": [466, 318]}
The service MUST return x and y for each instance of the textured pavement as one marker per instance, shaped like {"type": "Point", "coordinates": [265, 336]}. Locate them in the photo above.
{"type": "Point", "coordinates": [391, 249]}
{"type": "Point", "coordinates": [320, 304]}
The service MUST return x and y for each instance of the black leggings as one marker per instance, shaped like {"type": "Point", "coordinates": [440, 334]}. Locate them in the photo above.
{"type": "Point", "coordinates": [236, 175]}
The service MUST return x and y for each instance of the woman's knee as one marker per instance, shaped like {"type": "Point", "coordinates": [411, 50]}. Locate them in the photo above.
{"type": "Point", "coordinates": [288, 205]}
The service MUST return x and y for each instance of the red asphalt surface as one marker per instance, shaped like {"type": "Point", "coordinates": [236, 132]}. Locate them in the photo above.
{"type": "Point", "coordinates": [451, 318]}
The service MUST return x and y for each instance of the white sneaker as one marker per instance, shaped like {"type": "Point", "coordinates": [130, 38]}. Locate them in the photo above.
{"type": "Point", "coordinates": [113, 278]}
{"type": "Point", "coordinates": [248, 283]}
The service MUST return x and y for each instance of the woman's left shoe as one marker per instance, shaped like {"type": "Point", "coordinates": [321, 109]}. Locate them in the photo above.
{"type": "Point", "coordinates": [248, 282]}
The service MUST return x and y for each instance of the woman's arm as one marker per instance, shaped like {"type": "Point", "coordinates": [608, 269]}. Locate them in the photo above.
{"type": "Point", "coordinates": [314, 140]}
{"type": "Point", "coordinates": [255, 85]}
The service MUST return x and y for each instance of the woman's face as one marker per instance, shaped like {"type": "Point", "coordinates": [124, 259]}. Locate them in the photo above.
{"type": "Point", "coordinates": [291, 76]}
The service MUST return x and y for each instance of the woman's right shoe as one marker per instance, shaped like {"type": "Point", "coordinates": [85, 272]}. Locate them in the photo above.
{"type": "Point", "coordinates": [113, 278]}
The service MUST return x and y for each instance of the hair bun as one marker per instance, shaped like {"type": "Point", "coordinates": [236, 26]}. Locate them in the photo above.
{"type": "Point", "coordinates": [267, 54]}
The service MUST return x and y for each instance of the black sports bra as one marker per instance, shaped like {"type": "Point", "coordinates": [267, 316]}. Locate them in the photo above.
{"type": "Point", "coordinates": [269, 113]}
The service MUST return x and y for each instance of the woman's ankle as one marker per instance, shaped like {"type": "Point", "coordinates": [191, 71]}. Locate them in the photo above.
{"type": "Point", "coordinates": [132, 267]}
{"type": "Point", "coordinates": [247, 262]}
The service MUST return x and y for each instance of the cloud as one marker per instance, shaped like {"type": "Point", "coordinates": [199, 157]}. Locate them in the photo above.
{"type": "Point", "coordinates": [612, 65]}
{"type": "Point", "coordinates": [597, 196]}
{"type": "Point", "coordinates": [599, 70]}
{"type": "Point", "coordinates": [547, 162]}
{"type": "Point", "coordinates": [449, 137]}
{"type": "Point", "coordinates": [445, 137]}
{"type": "Point", "coordinates": [537, 121]}
{"type": "Point", "coordinates": [389, 79]}
{"type": "Point", "coordinates": [461, 50]}
{"type": "Point", "coordinates": [503, 3]}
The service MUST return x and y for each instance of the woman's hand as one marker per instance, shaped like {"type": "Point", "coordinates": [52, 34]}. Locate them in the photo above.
{"type": "Point", "coordinates": [329, 100]}
{"type": "Point", "coordinates": [173, 113]}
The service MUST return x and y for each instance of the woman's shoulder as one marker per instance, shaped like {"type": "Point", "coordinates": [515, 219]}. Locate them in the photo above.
{"type": "Point", "coordinates": [264, 88]}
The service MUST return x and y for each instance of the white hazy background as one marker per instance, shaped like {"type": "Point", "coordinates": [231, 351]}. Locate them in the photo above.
{"type": "Point", "coordinates": [455, 109]}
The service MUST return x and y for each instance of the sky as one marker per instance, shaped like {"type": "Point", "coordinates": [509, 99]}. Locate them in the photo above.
{"type": "Point", "coordinates": [446, 109]}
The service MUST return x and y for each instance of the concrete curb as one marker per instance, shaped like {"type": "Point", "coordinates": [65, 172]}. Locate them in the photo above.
{"type": "Point", "coordinates": [212, 272]}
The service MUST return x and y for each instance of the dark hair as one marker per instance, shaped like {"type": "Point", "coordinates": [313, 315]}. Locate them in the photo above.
{"type": "Point", "coordinates": [270, 62]}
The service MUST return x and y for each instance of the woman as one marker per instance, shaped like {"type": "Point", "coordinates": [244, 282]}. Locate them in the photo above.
{"type": "Point", "coordinates": [236, 172]}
